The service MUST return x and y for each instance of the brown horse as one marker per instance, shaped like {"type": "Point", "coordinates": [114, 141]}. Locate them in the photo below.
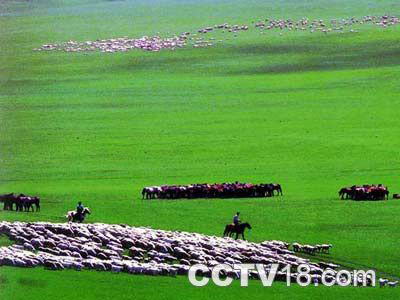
{"type": "Point", "coordinates": [9, 200]}
{"type": "Point", "coordinates": [230, 229]}
{"type": "Point", "coordinates": [29, 202]}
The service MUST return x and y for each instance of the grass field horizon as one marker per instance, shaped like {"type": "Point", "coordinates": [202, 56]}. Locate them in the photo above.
{"type": "Point", "coordinates": [313, 112]}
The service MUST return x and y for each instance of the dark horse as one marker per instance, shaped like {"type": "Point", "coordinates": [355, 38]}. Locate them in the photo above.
{"type": "Point", "coordinates": [9, 200]}
{"type": "Point", "coordinates": [28, 202]}
{"type": "Point", "coordinates": [230, 229]}
{"type": "Point", "coordinates": [345, 192]}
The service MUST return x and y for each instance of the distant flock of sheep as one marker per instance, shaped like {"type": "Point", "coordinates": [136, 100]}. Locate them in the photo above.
{"type": "Point", "coordinates": [199, 39]}
{"type": "Point", "coordinates": [216, 190]}
{"type": "Point", "coordinates": [123, 44]}
{"type": "Point", "coordinates": [120, 248]}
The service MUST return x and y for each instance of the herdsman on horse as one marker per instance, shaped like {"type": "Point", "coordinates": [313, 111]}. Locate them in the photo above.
{"type": "Point", "coordinates": [236, 220]}
{"type": "Point", "coordinates": [78, 215]}
{"type": "Point", "coordinates": [237, 227]}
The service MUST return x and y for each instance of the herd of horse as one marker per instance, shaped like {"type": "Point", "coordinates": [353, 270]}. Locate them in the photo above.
{"type": "Point", "coordinates": [365, 192]}
{"type": "Point", "coordinates": [21, 202]}
{"type": "Point", "coordinates": [216, 190]}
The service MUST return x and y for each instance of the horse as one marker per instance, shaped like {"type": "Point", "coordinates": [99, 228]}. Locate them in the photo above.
{"type": "Point", "coordinates": [72, 215]}
{"type": "Point", "coordinates": [28, 203]}
{"type": "Point", "coordinates": [345, 192]}
{"type": "Point", "coordinates": [277, 187]}
{"type": "Point", "coordinates": [8, 200]}
{"type": "Point", "coordinates": [230, 229]}
{"type": "Point", "coordinates": [151, 192]}
{"type": "Point", "coordinates": [20, 202]}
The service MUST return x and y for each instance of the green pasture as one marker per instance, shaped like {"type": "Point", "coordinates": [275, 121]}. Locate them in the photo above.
{"type": "Point", "coordinates": [311, 111]}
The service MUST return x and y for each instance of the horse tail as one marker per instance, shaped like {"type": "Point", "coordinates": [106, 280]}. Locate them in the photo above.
{"type": "Point", "coordinates": [226, 231]}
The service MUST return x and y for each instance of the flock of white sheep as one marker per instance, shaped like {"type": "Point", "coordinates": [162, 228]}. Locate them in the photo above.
{"type": "Point", "coordinates": [154, 43]}
{"type": "Point", "coordinates": [204, 37]}
{"type": "Point", "coordinates": [139, 250]}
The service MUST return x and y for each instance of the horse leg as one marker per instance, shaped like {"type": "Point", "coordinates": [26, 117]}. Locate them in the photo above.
{"type": "Point", "coordinates": [243, 236]}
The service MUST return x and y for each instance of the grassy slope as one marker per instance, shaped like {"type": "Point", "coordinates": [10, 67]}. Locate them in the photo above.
{"type": "Point", "coordinates": [310, 111]}
{"type": "Point", "coordinates": [95, 285]}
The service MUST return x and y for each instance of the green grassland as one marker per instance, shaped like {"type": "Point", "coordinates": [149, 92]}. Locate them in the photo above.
{"type": "Point", "coordinates": [313, 112]}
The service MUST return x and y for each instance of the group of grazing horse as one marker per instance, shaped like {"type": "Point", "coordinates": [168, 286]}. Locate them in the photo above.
{"type": "Point", "coordinates": [216, 190]}
{"type": "Point", "coordinates": [365, 192]}
{"type": "Point", "coordinates": [21, 202]}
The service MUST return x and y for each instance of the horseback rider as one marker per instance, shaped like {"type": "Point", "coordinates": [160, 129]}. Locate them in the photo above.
{"type": "Point", "coordinates": [79, 211]}
{"type": "Point", "coordinates": [236, 220]}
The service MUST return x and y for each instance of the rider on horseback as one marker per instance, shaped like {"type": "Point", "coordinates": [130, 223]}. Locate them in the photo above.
{"type": "Point", "coordinates": [236, 220]}
{"type": "Point", "coordinates": [79, 211]}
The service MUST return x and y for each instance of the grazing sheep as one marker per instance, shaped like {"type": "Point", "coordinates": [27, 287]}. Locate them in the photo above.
{"type": "Point", "coordinates": [157, 43]}
{"type": "Point", "coordinates": [101, 247]}
{"type": "Point", "coordinates": [383, 282]}
{"type": "Point", "coordinates": [325, 248]}
{"type": "Point", "coordinates": [392, 283]}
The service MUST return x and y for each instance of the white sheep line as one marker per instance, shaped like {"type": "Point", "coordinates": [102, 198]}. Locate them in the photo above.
{"type": "Point", "coordinates": [202, 38]}
{"type": "Point", "coordinates": [310, 249]}
{"type": "Point", "coordinates": [104, 247]}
